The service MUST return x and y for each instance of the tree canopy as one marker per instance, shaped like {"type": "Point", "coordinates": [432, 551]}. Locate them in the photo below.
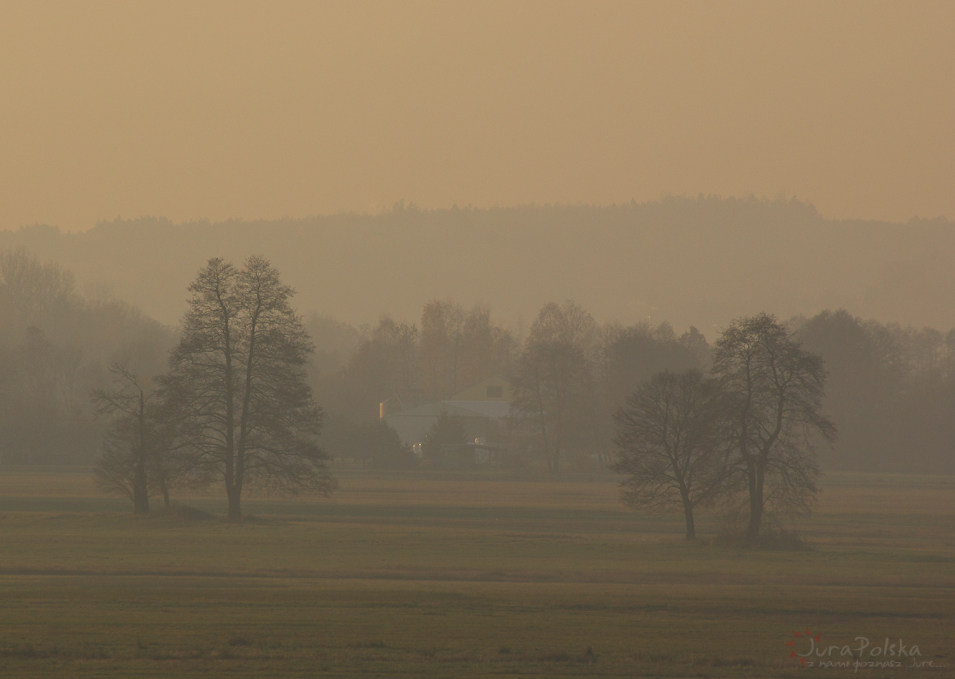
{"type": "Point", "coordinates": [236, 384]}
{"type": "Point", "coordinates": [672, 444]}
{"type": "Point", "coordinates": [775, 391]}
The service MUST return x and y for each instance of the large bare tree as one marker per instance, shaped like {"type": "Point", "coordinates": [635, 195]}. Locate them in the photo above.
{"type": "Point", "coordinates": [124, 461]}
{"type": "Point", "coordinates": [237, 385]}
{"type": "Point", "coordinates": [552, 385]}
{"type": "Point", "coordinates": [671, 443]}
{"type": "Point", "coordinates": [775, 389]}
{"type": "Point", "coordinates": [442, 331]}
{"type": "Point", "coordinates": [460, 348]}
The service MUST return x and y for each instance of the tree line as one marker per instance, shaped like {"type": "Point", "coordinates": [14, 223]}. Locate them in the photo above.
{"type": "Point", "coordinates": [681, 255]}
{"type": "Point", "coordinates": [891, 389]}
{"type": "Point", "coordinates": [56, 345]}
{"type": "Point", "coordinates": [595, 368]}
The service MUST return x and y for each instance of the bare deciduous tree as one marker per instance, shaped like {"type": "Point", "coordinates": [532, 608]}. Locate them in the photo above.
{"type": "Point", "coordinates": [775, 390]}
{"type": "Point", "coordinates": [237, 383]}
{"type": "Point", "coordinates": [33, 288]}
{"type": "Point", "coordinates": [552, 381]}
{"type": "Point", "coordinates": [383, 366]}
{"type": "Point", "coordinates": [671, 443]}
{"type": "Point", "coordinates": [122, 467]}
{"type": "Point", "coordinates": [460, 348]}
{"type": "Point", "coordinates": [442, 330]}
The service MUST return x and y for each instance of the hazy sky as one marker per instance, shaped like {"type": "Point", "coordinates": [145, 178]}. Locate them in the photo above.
{"type": "Point", "coordinates": [229, 109]}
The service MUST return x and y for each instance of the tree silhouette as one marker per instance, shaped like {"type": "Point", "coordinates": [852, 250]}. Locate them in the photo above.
{"type": "Point", "coordinates": [775, 390]}
{"type": "Point", "coordinates": [122, 467]}
{"type": "Point", "coordinates": [671, 442]}
{"type": "Point", "coordinates": [237, 385]}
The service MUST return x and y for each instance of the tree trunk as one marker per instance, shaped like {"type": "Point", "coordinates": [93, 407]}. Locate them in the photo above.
{"type": "Point", "coordinates": [140, 490]}
{"type": "Point", "coordinates": [688, 514]}
{"type": "Point", "coordinates": [755, 503]}
{"type": "Point", "coordinates": [159, 475]}
{"type": "Point", "coordinates": [232, 491]}
{"type": "Point", "coordinates": [235, 509]}
{"type": "Point", "coordinates": [140, 482]}
{"type": "Point", "coordinates": [557, 438]}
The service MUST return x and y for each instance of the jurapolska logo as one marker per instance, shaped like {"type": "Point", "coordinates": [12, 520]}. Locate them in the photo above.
{"type": "Point", "coordinates": [860, 654]}
{"type": "Point", "coordinates": [813, 640]}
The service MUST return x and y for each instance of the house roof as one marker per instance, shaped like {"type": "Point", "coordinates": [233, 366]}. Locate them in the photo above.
{"type": "Point", "coordinates": [479, 391]}
{"type": "Point", "coordinates": [494, 410]}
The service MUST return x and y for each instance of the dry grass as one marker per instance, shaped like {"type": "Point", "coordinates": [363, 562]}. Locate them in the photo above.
{"type": "Point", "coordinates": [404, 576]}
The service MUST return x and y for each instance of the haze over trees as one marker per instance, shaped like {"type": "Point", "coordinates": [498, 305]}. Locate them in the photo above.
{"type": "Point", "coordinates": [56, 345]}
{"type": "Point", "coordinates": [677, 259]}
{"type": "Point", "coordinates": [382, 366]}
{"type": "Point", "coordinates": [891, 388]}
{"type": "Point", "coordinates": [552, 381]}
{"type": "Point", "coordinates": [459, 348]}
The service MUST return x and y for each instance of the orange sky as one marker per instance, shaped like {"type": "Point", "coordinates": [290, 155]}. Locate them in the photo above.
{"type": "Point", "coordinates": [227, 109]}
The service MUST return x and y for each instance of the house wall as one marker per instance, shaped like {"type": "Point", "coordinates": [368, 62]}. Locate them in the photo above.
{"type": "Point", "coordinates": [412, 429]}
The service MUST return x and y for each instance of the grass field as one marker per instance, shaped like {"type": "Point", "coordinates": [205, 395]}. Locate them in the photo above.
{"type": "Point", "coordinates": [452, 577]}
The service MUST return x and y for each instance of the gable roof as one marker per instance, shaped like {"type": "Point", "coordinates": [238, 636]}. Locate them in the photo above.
{"type": "Point", "coordinates": [479, 391]}
{"type": "Point", "coordinates": [491, 409]}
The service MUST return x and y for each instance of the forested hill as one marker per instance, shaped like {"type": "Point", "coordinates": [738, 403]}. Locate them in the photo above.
{"type": "Point", "coordinates": [689, 261]}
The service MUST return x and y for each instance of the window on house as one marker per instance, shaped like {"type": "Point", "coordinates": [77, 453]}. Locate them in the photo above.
{"type": "Point", "coordinates": [495, 392]}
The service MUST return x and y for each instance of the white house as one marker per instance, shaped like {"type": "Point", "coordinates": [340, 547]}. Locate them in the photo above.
{"type": "Point", "coordinates": [481, 409]}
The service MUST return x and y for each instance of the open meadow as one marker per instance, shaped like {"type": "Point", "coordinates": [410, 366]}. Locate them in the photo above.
{"type": "Point", "coordinates": [466, 577]}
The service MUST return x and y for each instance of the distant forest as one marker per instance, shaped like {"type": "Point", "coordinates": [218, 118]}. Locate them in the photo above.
{"type": "Point", "coordinates": [891, 388]}
{"type": "Point", "coordinates": [688, 261]}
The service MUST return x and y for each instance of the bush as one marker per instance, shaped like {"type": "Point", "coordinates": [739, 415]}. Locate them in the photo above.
{"type": "Point", "coordinates": [372, 442]}
{"type": "Point", "coordinates": [443, 445]}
